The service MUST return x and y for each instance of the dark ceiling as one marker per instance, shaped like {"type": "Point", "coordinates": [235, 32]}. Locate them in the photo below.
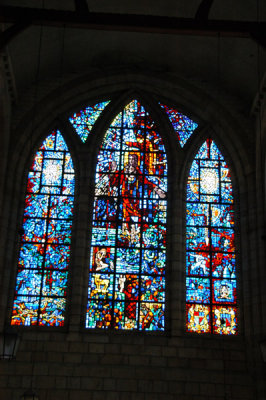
{"type": "Point", "coordinates": [235, 61]}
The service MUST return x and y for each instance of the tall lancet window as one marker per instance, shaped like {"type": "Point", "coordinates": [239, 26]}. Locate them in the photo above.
{"type": "Point", "coordinates": [127, 265]}
{"type": "Point", "coordinates": [210, 246]}
{"type": "Point", "coordinates": [41, 285]}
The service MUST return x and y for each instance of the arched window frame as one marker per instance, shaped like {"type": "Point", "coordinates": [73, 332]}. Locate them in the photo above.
{"type": "Point", "coordinates": [103, 122]}
{"type": "Point", "coordinates": [31, 149]}
{"type": "Point", "coordinates": [195, 143]}
{"type": "Point", "coordinates": [111, 112]}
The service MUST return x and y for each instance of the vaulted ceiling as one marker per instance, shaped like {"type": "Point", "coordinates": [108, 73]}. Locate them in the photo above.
{"type": "Point", "coordinates": [208, 42]}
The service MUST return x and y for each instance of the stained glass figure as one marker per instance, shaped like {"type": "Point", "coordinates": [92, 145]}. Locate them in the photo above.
{"type": "Point", "coordinates": [210, 262]}
{"type": "Point", "coordinates": [84, 120]}
{"type": "Point", "coordinates": [41, 285]}
{"type": "Point", "coordinates": [127, 266]}
{"type": "Point", "coordinates": [183, 126]}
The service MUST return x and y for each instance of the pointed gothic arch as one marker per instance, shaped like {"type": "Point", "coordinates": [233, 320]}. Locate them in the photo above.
{"type": "Point", "coordinates": [211, 298]}
{"type": "Point", "coordinates": [128, 248]}
{"type": "Point", "coordinates": [42, 273]}
{"type": "Point", "coordinates": [127, 287]}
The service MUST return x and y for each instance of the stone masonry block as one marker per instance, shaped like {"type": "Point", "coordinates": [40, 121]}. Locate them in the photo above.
{"type": "Point", "coordinates": [96, 348]}
{"type": "Point", "coordinates": [91, 383]}
{"type": "Point", "coordinates": [123, 372]}
{"type": "Point", "coordinates": [73, 382]}
{"type": "Point", "coordinates": [114, 359]}
{"type": "Point", "coordinates": [109, 384]}
{"type": "Point", "coordinates": [138, 360]}
{"type": "Point", "coordinates": [129, 385]}
{"type": "Point", "coordinates": [80, 395]}
{"type": "Point", "coordinates": [209, 389]}
{"type": "Point", "coordinates": [60, 382]}
{"type": "Point", "coordinates": [176, 387]}
{"type": "Point", "coordinates": [75, 358]}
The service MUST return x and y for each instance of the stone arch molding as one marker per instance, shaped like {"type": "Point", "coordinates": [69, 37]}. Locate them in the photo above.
{"type": "Point", "coordinates": [176, 91]}
{"type": "Point", "coordinates": [58, 102]}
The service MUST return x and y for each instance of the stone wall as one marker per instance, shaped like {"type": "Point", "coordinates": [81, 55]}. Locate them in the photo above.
{"type": "Point", "coordinates": [76, 364]}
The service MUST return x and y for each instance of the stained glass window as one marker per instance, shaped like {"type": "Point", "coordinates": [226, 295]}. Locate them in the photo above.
{"type": "Point", "coordinates": [127, 265]}
{"type": "Point", "coordinates": [84, 120]}
{"type": "Point", "coordinates": [41, 284]}
{"type": "Point", "coordinates": [183, 126]}
{"type": "Point", "coordinates": [210, 247]}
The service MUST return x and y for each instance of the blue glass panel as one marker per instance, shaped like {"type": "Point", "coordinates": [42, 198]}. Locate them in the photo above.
{"type": "Point", "coordinates": [59, 231]}
{"type": "Point", "coordinates": [155, 188]}
{"type": "Point", "coordinates": [108, 161]}
{"type": "Point", "coordinates": [59, 143]}
{"type": "Point", "coordinates": [197, 238]}
{"type": "Point", "coordinates": [210, 260]}
{"type": "Point", "coordinates": [222, 216]}
{"type": "Point", "coordinates": [103, 236]}
{"type": "Point", "coordinates": [193, 191]}
{"type": "Point", "coordinates": [36, 206]}
{"type": "Point", "coordinates": [128, 260]}
{"type": "Point", "coordinates": [129, 226]}
{"type": "Point", "coordinates": [34, 230]}
{"type": "Point", "coordinates": [50, 155]}
{"type": "Point", "coordinates": [45, 251]}
{"type": "Point", "coordinates": [57, 257]}
{"type": "Point", "coordinates": [194, 170]}
{"type": "Point", "coordinates": [198, 214]}
{"type": "Point", "coordinates": [54, 283]}
{"type": "Point", "coordinates": [31, 255]}
{"type": "Point", "coordinates": [105, 209]}
{"type": "Point", "coordinates": [198, 290]}
{"type": "Point", "coordinates": [183, 126]}
{"type": "Point", "coordinates": [214, 151]}
{"type": "Point", "coordinates": [152, 288]}
{"type": "Point", "coordinates": [224, 291]}
{"type": "Point", "coordinates": [112, 139]}
{"type": "Point", "coordinates": [153, 262]}
{"type": "Point", "coordinates": [61, 207]}
{"type": "Point", "coordinates": [68, 186]}
{"type": "Point", "coordinates": [28, 282]}
{"type": "Point", "coordinates": [154, 236]}
{"type": "Point", "coordinates": [84, 120]}
{"type": "Point", "coordinates": [69, 167]}
{"type": "Point", "coordinates": [226, 192]}
{"type": "Point", "coordinates": [154, 211]}
{"type": "Point", "coordinates": [223, 239]}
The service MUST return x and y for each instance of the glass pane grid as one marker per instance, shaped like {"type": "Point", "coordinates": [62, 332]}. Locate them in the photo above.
{"type": "Point", "coordinates": [126, 283]}
{"type": "Point", "coordinates": [41, 286]}
{"type": "Point", "coordinates": [84, 120]}
{"type": "Point", "coordinates": [183, 126]}
{"type": "Point", "coordinates": [210, 267]}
